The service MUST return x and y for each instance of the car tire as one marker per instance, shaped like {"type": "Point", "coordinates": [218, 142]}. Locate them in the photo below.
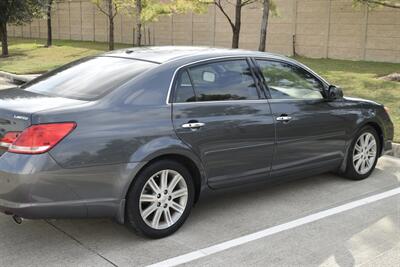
{"type": "Point", "coordinates": [153, 197]}
{"type": "Point", "coordinates": [361, 161]}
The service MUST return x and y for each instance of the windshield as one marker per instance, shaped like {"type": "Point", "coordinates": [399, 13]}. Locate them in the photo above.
{"type": "Point", "coordinates": [88, 78]}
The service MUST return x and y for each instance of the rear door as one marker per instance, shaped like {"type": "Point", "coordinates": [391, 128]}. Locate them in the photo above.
{"type": "Point", "coordinates": [219, 111]}
{"type": "Point", "coordinates": [310, 130]}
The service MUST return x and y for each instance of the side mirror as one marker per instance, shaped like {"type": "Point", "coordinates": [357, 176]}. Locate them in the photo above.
{"type": "Point", "coordinates": [334, 92]}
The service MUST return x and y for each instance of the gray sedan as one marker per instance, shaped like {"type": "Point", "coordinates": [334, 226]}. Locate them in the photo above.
{"type": "Point", "coordinates": [139, 134]}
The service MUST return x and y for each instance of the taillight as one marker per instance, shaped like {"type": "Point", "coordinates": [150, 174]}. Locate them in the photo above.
{"type": "Point", "coordinates": [8, 139]}
{"type": "Point", "coordinates": [40, 138]}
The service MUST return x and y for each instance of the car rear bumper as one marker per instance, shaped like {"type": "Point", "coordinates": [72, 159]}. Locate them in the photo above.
{"type": "Point", "coordinates": [44, 210]}
{"type": "Point", "coordinates": [36, 187]}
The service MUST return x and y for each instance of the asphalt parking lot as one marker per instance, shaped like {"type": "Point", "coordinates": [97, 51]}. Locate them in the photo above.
{"type": "Point", "coordinates": [366, 235]}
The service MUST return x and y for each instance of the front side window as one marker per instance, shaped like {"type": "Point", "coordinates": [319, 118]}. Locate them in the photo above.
{"type": "Point", "coordinates": [217, 81]}
{"type": "Point", "coordinates": [88, 78]}
{"type": "Point", "coordinates": [286, 81]}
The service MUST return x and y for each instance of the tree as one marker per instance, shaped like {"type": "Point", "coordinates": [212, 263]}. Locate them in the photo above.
{"type": "Point", "coordinates": [48, 6]}
{"type": "Point", "coordinates": [110, 9]}
{"type": "Point", "coordinates": [16, 12]}
{"type": "Point", "coordinates": [237, 23]}
{"type": "Point", "coordinates": [386, 3]}
{"type": "Point", "coordinates": [268, 7]}
{"type": "Point", "coordinates": [138, 25]}
{"type": "Point", "coordinates": [146, 11]}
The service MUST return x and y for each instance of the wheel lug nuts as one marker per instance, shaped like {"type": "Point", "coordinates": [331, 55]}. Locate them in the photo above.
{"type": "Point", "coordinates": [165, 192]}
{"type": "Point", "coordinates": [165, 205]}
{"type": "Point", "coordinates": [169, 198]}
{"type": "Point", "coordinates": [158, 195]}
{"type": "Point", "coordinates": [158, 204]}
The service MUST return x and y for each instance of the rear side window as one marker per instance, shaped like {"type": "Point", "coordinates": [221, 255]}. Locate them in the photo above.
{"type": "Point", "coordinates": [286, 81]}
{"type": "Point", "coordinates": [88, 78]}
{"type": "Point", "coordinates": [218, 81]}
{"type": "Point", "coordinates": [184, 89]}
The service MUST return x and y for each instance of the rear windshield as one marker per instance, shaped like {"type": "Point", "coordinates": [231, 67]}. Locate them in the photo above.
{"type": "Point", "coordinates": [88, 78]}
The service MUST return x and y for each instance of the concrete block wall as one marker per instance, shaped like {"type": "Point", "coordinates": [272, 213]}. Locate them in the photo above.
{"type": "Point", "coordinates": [311, 28]}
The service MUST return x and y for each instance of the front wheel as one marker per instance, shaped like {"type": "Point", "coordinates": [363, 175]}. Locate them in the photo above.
{"type": "Point", "coordinates": [363, 154]}
{"type": "Point", "coordinates": [160, 199]}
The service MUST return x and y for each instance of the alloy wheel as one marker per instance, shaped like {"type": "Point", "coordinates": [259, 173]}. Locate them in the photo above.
{"type": "Point", "coordinates": [364, 153]}
{"type": "Point", "coordinates": [163, 199]}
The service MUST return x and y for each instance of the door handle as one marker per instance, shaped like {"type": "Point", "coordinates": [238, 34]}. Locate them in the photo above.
{"type": "Point", "coordinates": [284, 118]}
{"type": "Point", "coordinates": [193, 125]}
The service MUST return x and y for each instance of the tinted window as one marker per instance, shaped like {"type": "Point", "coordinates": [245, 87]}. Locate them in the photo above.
{"type": "Point", "coordinates": [88, 78]}
{"type": "Point", "coordinates": [226, 80]}
{"type": "Point", "coordinates": [184, 89]}
{"type": "Point", "coordinates": [286, 81]}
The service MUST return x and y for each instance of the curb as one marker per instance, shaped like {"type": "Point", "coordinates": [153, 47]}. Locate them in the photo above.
{"type": "Point", "coordinates": [395, 150]}
{"type": "Point", "coordinates": [17, 78]}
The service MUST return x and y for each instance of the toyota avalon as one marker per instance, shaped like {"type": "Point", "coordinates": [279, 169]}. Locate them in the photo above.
{"type": "Point", "coordinates": [140, 134]}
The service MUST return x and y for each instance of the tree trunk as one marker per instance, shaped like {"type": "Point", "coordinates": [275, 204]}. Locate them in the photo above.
{"type": "Point", "coordinates": [235, 37]}
{"type": "Point", "coordinates": [111, 23]}
{"type": "Point", "coordinates": [264, 26]}
{"type": "Point", "coordinates": [49, 31]}
{"type": "Point", "coordinates": [111, 35]}
{"type": "Point", "coordinates": [138, 26]}
{"type": "Point", "coordinates": [4, 40]}
{"type": "Point", "coordinates": [238, 24]}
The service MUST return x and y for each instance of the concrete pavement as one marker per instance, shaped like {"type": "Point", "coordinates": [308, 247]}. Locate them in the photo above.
{"type": "Point", "coordinates": [367, 235]}
{"type": "Point", "coordinates": [17, 79]}
{"type": "Point", "coordinates": [5, 83]}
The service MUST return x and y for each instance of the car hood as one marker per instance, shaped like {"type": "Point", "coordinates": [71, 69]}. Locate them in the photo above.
{"type": "Point", "coordinates": [362, 101]}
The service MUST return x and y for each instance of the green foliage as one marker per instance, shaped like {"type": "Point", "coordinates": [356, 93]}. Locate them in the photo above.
{"type": "Point", "coordinates": [273, 9]}
{"type": "Point", "coordinates": [19, 11]}
{"type": "Point", "coordinates": [102, 5]}
{"type": "Point", "coordinates": [197, 6]}
{"type": "Point", "coordinates": [153, 9]}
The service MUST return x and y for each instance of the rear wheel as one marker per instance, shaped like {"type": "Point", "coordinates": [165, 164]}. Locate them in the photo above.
{"type": "Point", "coordinates": [363, 154]}
{"type": "Point", "coordinates": [160, 199]}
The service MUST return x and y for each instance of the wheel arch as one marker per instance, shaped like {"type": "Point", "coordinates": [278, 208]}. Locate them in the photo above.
{"type": "Point", "coordinates": [378, 130]}
{"type": "Point", "coordinates": [193, 165]}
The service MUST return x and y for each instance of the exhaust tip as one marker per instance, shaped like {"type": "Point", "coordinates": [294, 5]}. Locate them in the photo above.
{"type": "Point", "coordinates": [17, 219]}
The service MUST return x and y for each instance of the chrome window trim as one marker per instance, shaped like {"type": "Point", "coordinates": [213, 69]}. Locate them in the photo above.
{"type": "Point", "coordinates": [275, 100]}
{"type": "Point", "coordinates": [304, 68]}
{"type": "Point", "coordinates": [245, 57]}
{"type": "Point", "coordinates": [297, 64]}
{"type": "Point", "coordinates": [224, 101]}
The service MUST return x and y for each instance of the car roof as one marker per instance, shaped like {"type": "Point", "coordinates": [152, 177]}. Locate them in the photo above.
{"type": "Point", "coordinates": [164, 54]}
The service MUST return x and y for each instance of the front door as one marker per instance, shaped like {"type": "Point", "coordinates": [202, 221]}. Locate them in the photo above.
{"type": "Point", "coordinates": [220, 113]}
{"type": "Point", "coordinates": [310, 131]}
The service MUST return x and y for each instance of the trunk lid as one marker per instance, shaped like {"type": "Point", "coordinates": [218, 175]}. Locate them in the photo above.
{"type": "Point", "coordinates": [17, 107]}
